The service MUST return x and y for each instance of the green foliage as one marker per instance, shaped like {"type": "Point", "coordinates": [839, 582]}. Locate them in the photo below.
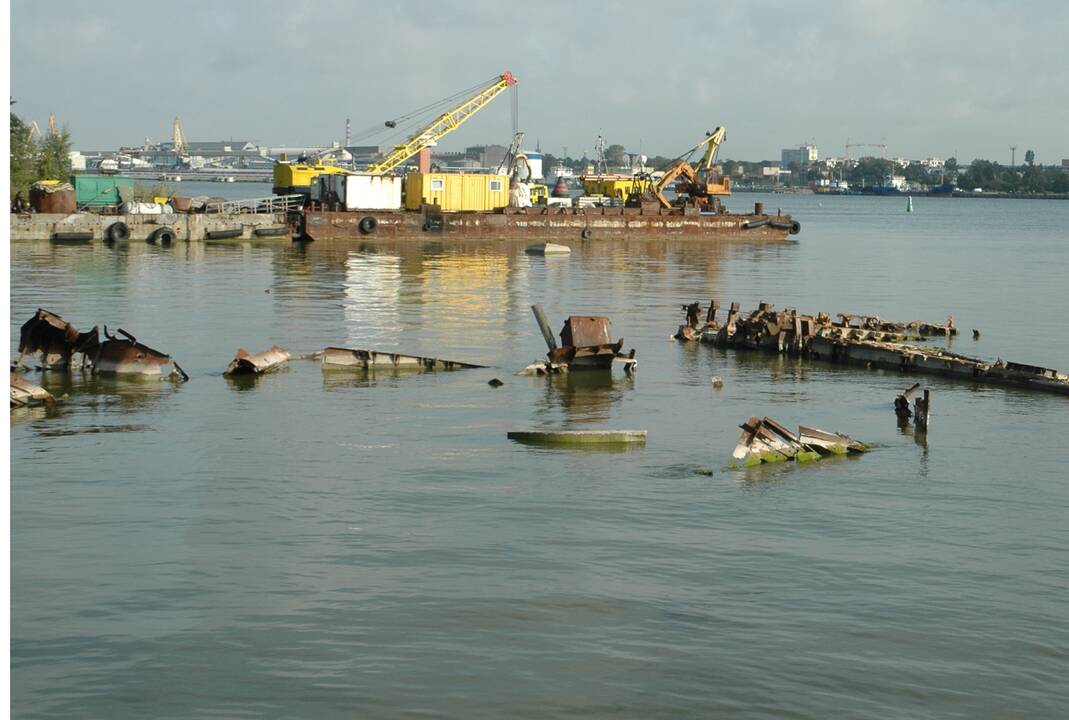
{"type": "Point", "coordinates": [1030, 158]}
{"type": "Point", "coordinates": [869, 172]}
{"type": "Point", "coordinates": [54, 162]}
{"type": "Point", "coordinates": [23, 157]}
{"type": "Point", "coordinates": [145, 193]}
{"type": "Point", "coordinates": [614, 155]}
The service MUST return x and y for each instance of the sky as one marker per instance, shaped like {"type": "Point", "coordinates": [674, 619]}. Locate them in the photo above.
{"type": "Point", "coordinates": [962, 78]}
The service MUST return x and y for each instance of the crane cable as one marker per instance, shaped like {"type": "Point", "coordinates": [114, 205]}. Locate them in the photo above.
{"type": "Point", "coordinates": [410, 118]}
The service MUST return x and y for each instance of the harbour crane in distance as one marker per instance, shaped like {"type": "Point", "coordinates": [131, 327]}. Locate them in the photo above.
{"type": "Point", "coordinates": [446, 123]}
{"type": "Point", "coordinates": [178, 139]}
{"type": "Point", "coordinates": [881, 146]}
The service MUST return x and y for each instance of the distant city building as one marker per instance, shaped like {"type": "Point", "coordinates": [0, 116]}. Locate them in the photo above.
{"type": "Point", "coordinates": [1065, 164]}
{"type": "Point", "coordinates": [364, 155]}
{"type": "Point", "coordinates": [805, 155]}
{"type": "Point", "coordinates": [492, 155]}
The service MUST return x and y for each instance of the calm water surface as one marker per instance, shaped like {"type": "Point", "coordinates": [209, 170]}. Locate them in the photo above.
{"type": "Point", "coordinates": [338, 545]}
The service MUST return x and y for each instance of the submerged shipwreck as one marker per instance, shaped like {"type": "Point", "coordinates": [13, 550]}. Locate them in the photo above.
{"type": "Point", "coordinates": [57, 341]}
{"type": "Point", "coordinates": [766, 441]}
{"type": "Point", "coordinates": [863, 340]}
{"type": "Point", "coordinates": [585, 345]}
{"type": "Point", "coordinates": [336, 358]}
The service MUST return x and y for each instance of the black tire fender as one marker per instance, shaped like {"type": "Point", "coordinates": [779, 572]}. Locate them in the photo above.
{"type": "Point", "coordinates": [586, 234]}
{"type": "Point", "coordinates": [367, 225]}
{"type": "Point", "coordinates": [163, 236]}
{"type": "Point", "coordinates": [117, 232]}
{"type": "Point", "coordinates": [796, 227]}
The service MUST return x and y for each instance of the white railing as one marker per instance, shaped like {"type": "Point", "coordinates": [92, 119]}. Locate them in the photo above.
{"type": "Point", "coordinates": [273, 204]}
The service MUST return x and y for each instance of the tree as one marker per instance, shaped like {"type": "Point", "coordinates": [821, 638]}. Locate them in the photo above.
{"type": "Point", "coordinates": [951, 165]}
{"type": "Point", "coordinates": [23, 157]}
{"type": "Point", "coordinates": [1030, 158]}
{"type": "Point", "coordinates": [54, 162]}
{"type": "Point", "coordinates": [614, 155]}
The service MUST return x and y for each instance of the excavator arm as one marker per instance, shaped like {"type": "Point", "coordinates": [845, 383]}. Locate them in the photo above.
{"type": "Point", "coordinates": [682, 167]}
{"type": "Point", "coordinates": [695, 181]}
{"type": "Point", "coordinates": [445, 124]}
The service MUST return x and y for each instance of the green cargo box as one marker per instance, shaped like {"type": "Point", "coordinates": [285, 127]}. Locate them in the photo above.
{"type": "Point", "coordinates": [99, 190]}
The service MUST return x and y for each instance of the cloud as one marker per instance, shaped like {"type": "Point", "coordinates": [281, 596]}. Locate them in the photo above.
{"type": "Point", "coordinates": [925, 78]}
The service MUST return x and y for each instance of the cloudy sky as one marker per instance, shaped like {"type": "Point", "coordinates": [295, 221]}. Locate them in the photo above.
{"type": "Point", "coordinates": [926, 78]}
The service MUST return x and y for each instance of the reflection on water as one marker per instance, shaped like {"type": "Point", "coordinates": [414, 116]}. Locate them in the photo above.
{"type": "Point", "coordinates": [372, 289]}
{"type": "Point", "coordinates": [308, 519]}
{"type": "Point", "coordinates": [585, 397]}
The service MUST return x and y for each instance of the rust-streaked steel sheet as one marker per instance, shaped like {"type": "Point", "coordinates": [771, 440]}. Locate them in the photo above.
{"type": "Point", "coordinates": [586, 330]}
{"type": "Point", "coordinates": [56, 339]}
{"type": "Point", "coordinates": [258, 364]}
{"type": "Point", "coordinates": [126, 356]}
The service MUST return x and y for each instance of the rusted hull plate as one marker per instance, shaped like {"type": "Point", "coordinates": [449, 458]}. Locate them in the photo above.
{"type": "Point", "coordinates": [932, 361]}
{"type": "Point", "coordinates": [572, 224]}
{"type": "Point", "coordinates": [354, 359]}
{"type": "Point", "coordinates": [126, 356]}
{"type": "Point", "coordinates": [55, 338]}
{"type": "Point", "coordinates": [593, 357]}
{"type": "Point", "coordinates": [258, 364]}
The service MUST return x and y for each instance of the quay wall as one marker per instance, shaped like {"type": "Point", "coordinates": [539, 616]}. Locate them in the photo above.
{"type": "Point", "coordinates": [188, 227]}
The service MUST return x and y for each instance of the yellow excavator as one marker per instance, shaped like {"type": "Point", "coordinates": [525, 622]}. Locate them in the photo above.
{"type": "Point", "coordinates": [298, 177]}
{"type": "Point", "coordinates": [695, 185]}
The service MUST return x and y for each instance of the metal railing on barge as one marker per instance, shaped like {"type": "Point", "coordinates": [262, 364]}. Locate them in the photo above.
{"type": "Point", "coordinates": [273, 204]}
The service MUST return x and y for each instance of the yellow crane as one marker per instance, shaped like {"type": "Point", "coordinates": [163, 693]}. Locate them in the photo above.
{"type": "Point", "coordinates": [446, 123]}
{"type": "Point", "coordinates": [697, 183]}
{"type": "Point", "coordinates": [298, 177]}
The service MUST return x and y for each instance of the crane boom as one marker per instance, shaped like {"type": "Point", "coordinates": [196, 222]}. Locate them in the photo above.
{"type": "Point", "coordinates": [712, 144]}
{"type": "Point", "coordinates": [445, 124]}
{"type": "Point", "coordinates": [696, 181]}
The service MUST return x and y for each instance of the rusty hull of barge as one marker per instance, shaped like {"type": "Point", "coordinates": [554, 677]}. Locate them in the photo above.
{"type": "Point", "coordinates": [546, 223]}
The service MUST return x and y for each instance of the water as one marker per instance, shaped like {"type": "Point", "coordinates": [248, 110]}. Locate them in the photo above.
{"type": "Point", "coordinates": [324, 545]}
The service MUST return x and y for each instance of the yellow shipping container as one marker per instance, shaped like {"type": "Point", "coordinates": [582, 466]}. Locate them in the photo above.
{"type": "Point", "coordinates": [457, 192]}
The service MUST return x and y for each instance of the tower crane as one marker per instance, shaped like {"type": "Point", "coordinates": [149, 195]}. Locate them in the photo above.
{"type": "Point", "coordinates": [881, 146]}
{"type": "Point", "coordinates": [446, 123]}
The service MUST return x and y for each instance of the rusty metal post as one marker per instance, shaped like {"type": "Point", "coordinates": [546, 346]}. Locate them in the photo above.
{"type": "Point", "coordinates": [710, 317]}
{"type": "Point", "coordinates": [758, 208]}
{"type": "Point", "coordinates": [540, 316]}
{"type": "Point", "coordinates": [921, 408]}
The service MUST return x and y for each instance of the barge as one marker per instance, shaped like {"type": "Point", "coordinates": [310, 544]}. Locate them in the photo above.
{"type": "Point", "coordinates": [544, 223]}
